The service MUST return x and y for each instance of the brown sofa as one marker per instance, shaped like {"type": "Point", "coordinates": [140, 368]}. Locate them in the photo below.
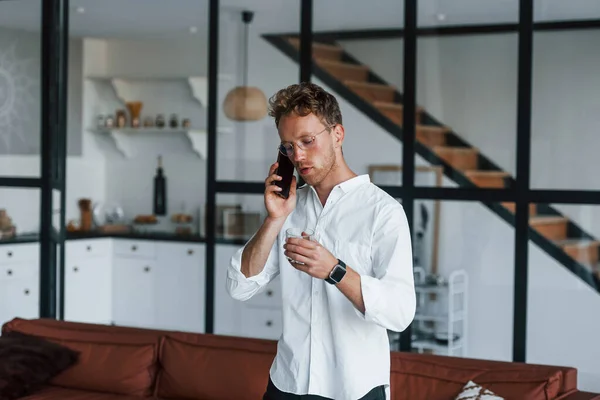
{"type": "Point", "coordinates": [130, 363]}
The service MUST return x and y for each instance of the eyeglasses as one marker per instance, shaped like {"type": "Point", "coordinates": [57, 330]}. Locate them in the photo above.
{"type": "Point", "coordinates": [306, 143]}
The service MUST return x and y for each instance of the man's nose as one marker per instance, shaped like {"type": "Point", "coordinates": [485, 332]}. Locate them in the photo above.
{"type": "Point", "coordinates": [299, 154]}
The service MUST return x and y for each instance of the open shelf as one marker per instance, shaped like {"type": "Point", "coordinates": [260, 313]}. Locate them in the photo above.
{"type": "Point", "coordinates": [167, 95]}
{"type": "Point", "coordinates": [441, 310]}
{"type": "Point", "coordinates": [121, 84]}
{"type": "Point", "coordinates": [127, 140]}
{"type": "Point", "coordinates": [452, 348]}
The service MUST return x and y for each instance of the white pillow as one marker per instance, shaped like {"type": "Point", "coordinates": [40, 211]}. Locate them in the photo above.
{"type": "Point", "coordinates": [474, 391]}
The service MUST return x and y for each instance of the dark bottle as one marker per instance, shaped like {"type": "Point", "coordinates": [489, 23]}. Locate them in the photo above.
{"type": "Point", "coordinates": [160, 190]}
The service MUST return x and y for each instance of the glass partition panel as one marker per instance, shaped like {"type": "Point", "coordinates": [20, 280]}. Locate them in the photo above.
{"type": "Point", "coordinates": [20, 88]}
{"type": "Point", "coordinates": [19, 253]}
{"type": "Point", "coordinates": [464, 267]}
{"type": "Point", "coordinates": [565, 98]}
{"type": "Point", "coordinates": [466, 93]}
{"type": "Point", "coordinates": [564, 282]}
{"type": "Point", "coordinates": [258, 53]}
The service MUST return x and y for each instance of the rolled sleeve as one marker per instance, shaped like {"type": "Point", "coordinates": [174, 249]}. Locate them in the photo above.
{"type": "Point", "coordinates": [242, 288]}
{"type": "Point", "coordinates": [389, 296]}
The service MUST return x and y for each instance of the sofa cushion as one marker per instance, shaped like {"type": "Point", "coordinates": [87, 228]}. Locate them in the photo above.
{"type": "Point", "coordinates": [213, 370]}
{"type": "Point", "coordinates": [135, 354]}
{"type": "Point", "coordinates": [110, 367]}
{"type": "Point", "coordinates": [56, 393]}
{"type": "Point", "coordinates": [27, 363]}
{"type": "Point", "coordinates": [429, 377]}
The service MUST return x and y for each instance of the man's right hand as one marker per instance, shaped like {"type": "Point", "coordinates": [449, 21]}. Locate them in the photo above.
{"type": "Point", "coordinates": [277, 206]}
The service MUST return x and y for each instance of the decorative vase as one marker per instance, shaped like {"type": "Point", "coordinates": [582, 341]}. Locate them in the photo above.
{"type": "Point", "coordinates": [148, 122]}
{"type": "Point", "coordinates": [160, 121]}
{"type": "Point", "coordinates": [121, 119]}
{"type": "Point", "coordinates": [174, 121]}
{"type": "Point", "coordinates": [135, 108]}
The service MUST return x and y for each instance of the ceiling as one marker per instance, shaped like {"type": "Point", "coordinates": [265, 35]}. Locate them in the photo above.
{"type": "Point", "coordinates": [135, 18]}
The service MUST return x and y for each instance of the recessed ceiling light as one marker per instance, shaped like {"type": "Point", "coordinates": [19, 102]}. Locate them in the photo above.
{"type": "Point", "coordinates": [193, 29]}
{"type": "Point", "coordinates": [80, 10]}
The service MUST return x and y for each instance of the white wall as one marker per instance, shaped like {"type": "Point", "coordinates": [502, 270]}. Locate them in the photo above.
{"type": "Point", "coordinates": [470, 84]}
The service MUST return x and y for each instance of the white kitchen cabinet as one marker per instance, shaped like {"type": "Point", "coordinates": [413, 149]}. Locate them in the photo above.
{"type": "Point", "coordinates": [19, 298]}
{"type": "Point", "coordinates": [134, 286]}
{"type": "Point", "coordinates": [159, 285]}
{"type": "Point", "coordinates": [258, 317]}
{"type": "Point", "coordinates": [263, 323]}
{"type": "Point", "coordinates": [19, 281]}
{"type": "Point", "coordinates": [88, 281]}
{"type": "Point", "coordinates": [227, 310]}
{"type": "Point", "coordinates": [181, 280]}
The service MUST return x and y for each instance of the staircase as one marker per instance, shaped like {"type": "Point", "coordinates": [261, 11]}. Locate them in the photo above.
{"type": "Point", "coordinates": [461, 162]}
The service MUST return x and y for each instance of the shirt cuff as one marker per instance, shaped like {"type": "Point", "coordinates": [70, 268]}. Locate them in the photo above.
{"type": "Point", "coordinates": [371, 297]}
{"type": "Point", "coordinates": [235, 273]}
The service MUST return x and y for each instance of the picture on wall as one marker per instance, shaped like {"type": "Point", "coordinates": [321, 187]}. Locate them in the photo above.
{"type": "Point", "coordinates": [426, 221]}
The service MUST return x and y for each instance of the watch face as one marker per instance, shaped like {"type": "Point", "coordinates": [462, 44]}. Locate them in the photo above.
{"type": "Point", "coordinates": [338, 273]}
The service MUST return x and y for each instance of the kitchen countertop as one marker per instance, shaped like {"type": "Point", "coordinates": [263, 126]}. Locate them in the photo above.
{"type": "Point", "coordinates": [157, 235]}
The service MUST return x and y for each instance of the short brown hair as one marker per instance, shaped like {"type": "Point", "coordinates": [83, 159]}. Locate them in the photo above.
{"type": "Point", "coordinates": [303, 99]}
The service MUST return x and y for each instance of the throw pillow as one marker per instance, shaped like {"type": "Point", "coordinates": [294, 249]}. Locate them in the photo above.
{"type": "Point", "coordinates": [474, 391]}
{"type": "Point", "coordinates": [28, 362]}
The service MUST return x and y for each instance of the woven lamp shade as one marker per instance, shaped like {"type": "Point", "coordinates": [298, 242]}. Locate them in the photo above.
{"type": "Point", "coordinates": [245, 103]}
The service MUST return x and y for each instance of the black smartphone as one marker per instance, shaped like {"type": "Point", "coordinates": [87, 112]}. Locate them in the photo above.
{"type": "Point", "coordinates": [285, 169]}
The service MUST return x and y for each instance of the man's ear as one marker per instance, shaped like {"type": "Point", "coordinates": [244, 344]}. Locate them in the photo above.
{"type": "Point", "coordinates": [338, 135]}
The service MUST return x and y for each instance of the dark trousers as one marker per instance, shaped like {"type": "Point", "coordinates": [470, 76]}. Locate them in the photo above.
{"type": "Point", "coordinates": [273, 393]}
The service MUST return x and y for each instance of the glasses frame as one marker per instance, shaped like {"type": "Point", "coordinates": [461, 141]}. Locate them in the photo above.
{"type": "Point", "coordinates": [301, 146]}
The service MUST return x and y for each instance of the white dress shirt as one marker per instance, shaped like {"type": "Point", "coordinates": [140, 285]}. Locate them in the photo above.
{"type": "Point", "coordinates": [328, 347]}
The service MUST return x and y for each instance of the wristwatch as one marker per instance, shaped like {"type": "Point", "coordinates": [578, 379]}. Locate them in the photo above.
{"type": "Point", "coordinates": [337, 273]}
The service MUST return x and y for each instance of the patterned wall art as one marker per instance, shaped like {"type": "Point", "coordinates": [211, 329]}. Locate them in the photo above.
{"type": "Point", "coordinates": [19, 99]}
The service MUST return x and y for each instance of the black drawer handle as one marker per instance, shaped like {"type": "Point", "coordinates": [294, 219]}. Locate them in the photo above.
{"type": "Point", "coordinates": [146, 269]}
{"type": "Point", "coordinates": [269, 323]}
{"type": "Point", "coordinates": [75, 269]}
{"type": "Point", "coordinates": [190, 252]}
{"type": "Point", "coordinates": [269, 293]}
{"type": "Point", "coordinates": [89, 248]}
{"type": "Point", "coordinates": [9, 272]}
{"type": "Point", "coordinates": [133, 248]}
{"type": "Point", "coordinates": [10, 253]}
{"type": "Point", "coordinates": [26, 292]}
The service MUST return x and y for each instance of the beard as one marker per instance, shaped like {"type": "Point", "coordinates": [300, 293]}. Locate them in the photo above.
{"type": "Point", "coordinates": [321, 169]}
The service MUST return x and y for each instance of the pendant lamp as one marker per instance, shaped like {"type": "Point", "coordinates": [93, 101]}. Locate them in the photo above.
{"type": "Point", "coordinates": [245, 103]}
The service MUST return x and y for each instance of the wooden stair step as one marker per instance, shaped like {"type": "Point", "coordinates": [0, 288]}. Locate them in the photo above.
{"type": "Point", "coordinates": [584, 251]}
{"type": "Point", "coordinates": [344, 71]}
{"type": "Point", "coordinates": [487, 179]}
{"type": "Point", "coordinates": [512, 207]}
{"type": "Point", "coordinates": [321, 50]}
{"type": "Point", "coordinates": [552, 228]}
{"type": "Point", "coordinates": [432, 136]}
{"type": "Point", "coordinates": [372, 91]}
{"type": "Point", "coordinates": [395, 111]}
{"type": "Point", "coordinates": [461, 158]}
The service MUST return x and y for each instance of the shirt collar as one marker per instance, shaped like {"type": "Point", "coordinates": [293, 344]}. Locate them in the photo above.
{"type": "Point", "coordinates": [346, 186]}
{"type": "Point", "coordinates": [353, 183]}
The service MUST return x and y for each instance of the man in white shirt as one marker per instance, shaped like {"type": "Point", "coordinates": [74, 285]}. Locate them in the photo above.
{"type": "Point", "coordinates": [342, 290]}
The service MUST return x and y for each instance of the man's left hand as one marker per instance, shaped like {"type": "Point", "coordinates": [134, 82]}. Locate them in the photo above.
{"type": "Point", "coordinates": [317, 260]}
